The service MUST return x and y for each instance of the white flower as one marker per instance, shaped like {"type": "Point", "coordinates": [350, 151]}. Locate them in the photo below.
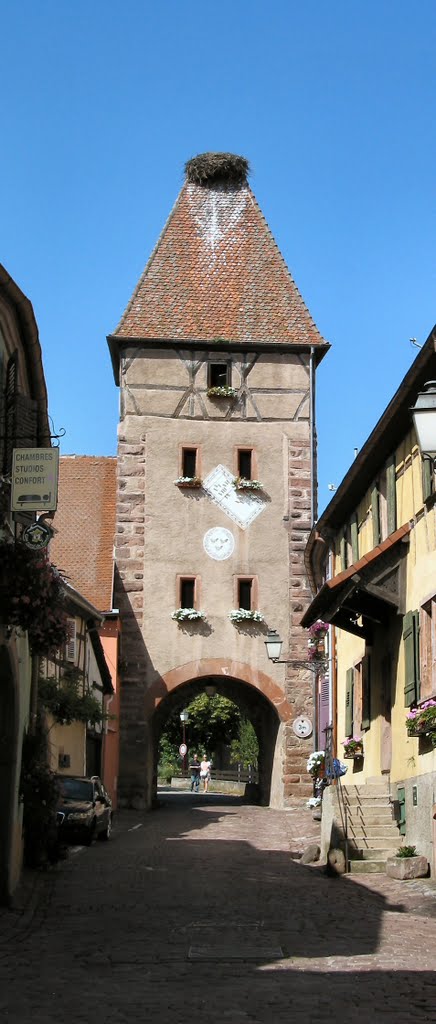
{"type": "Point", "coordinates": [243, 615]}
{"type": "Point", "coordinates": [183, 614]}
{"type": "Point", "coordinates": [316, 760]}
{"type": "Point", "coordinates": [313, 801]}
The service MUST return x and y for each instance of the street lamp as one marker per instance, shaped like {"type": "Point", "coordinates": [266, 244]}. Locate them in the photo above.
{"type": "Point", "coordinates": [424, 419]}
{"type": "Point", "coordinates": [184, 718]}
{"type": "Point", "coordinates": [274, 644]}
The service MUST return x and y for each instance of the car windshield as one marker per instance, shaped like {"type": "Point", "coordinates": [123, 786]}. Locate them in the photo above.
{"type": "Point", "coordinates": [76, 789]}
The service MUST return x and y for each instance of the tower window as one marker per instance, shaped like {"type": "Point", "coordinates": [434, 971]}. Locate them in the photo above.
{"type": "Point", "coordinates": [245, 594]}
{"type": "Point", "coordinates": [245, 463]}
{"type": "Point", "coordinates": [187, 592]}
{"type": "Point", "coordinates": [189, 462]}
{"type": "Point", "coordinates": [219, 375]}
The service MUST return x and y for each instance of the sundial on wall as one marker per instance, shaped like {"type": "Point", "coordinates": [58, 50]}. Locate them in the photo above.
{"type": "Point", "coordinates": [240, 506]}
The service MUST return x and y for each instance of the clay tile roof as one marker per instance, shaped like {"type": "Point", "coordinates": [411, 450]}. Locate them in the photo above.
{"type": "Point", "coordinates": [85, 520]}
{"type": "Point", "coordinates": [216, 271]}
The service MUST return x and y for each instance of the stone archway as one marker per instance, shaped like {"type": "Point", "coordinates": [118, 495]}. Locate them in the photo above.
{"type": "Point", "coordinates": [222, 667]}
{"type": "Point", "coordinates": [262, 699]}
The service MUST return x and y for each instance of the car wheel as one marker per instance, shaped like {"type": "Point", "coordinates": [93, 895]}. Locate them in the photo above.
{"type": "Point", "coordinates": [106, 834]}
{"type": "Point", "coordinates": [89, 834]}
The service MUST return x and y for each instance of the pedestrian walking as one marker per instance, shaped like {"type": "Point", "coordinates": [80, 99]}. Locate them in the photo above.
{"type": "Point", "coordinates": [205, 767]}
{"type": "Point", "coordinates": [195, 768]}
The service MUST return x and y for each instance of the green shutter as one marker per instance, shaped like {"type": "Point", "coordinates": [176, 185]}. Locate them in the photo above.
{"type": "Point", "coordinates": [366, 692]}
{"type": "Point", "coordinates": [355, 539]}
{"type": "Point", "coordinates": [349, 701]}
{"type": "Point", "coordinates": [427, 478]}
{"type": "Point", "coordinates": [416, 631]}
{"type": "Point", "coordinates": [375, 515]}
{"type": "Point", "coordinates": [391, 493]}
{"type": "Point", "coordinates": [412, 684]}
{"type": "Point", "coordinates": [344, 559]}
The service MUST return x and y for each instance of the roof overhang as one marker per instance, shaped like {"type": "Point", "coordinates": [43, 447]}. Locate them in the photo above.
{"type": "Point", "coordinates": [367, 593]}
{"type": "Point", "coordinates": [25, 317]}
{"type": "Point", "coordinates": [388, 432]}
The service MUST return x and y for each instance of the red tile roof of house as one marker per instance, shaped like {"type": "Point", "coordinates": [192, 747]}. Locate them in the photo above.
{"type": "Point", "coordinates": [217, 272]}
{"type": "Point", "coordinates": [85, 520]}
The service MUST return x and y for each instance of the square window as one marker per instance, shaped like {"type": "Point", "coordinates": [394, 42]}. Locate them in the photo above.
{"type": "Point", "coordinates": [219, 375]}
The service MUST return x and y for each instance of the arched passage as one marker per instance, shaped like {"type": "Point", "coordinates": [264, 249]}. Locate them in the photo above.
{"type": "Point", "coordinates": [255, 693]}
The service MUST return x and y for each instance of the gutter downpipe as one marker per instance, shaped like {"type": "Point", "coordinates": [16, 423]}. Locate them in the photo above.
{"type": "Point", "coordinates": [313, 510]}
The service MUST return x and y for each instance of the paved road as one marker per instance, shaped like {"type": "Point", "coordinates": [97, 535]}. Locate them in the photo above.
{"type": "Point", "coordinates": [201, 915]}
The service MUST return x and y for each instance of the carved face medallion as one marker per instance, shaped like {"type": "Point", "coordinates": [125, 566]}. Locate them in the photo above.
{"type": "Point", "coordinates": [219, 543]}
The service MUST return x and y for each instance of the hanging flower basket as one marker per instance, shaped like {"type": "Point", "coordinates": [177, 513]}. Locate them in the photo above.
{"type": "Point", "coordinates": [188, 481]}
{"type": "Point", "coordinates": [242, 615]}
{"type": "Point", "coordinates": [318, 630]}
{"type": "Point", "coordinates": [222, 391]}
{"type": "Point", "coordinates": [240, 483]}
{"type": "Point", "coordinates": [353, 748]}
{"type": "Point", "coordinates": [32, 597]}
{"type": "Point", "coordinates": [188, 615]}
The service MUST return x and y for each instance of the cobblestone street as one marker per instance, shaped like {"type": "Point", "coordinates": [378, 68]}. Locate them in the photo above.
{"type": "Point", "coordinates": [198, 912]}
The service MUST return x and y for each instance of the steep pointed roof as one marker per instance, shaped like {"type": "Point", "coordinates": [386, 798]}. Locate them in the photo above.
{"type": "Point", "coordinates": [216, 271]}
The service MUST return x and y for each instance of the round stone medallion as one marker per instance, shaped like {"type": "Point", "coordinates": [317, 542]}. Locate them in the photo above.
{"type": "Point", "coordinates": [219, 543]}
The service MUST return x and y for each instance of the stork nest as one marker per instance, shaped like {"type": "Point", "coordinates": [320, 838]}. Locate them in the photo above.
{"type": "Point", "coordinates": [217, 168]}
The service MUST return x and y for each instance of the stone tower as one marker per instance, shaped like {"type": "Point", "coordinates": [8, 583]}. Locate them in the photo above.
{"type": "Point", "coordinates": [215, 356]}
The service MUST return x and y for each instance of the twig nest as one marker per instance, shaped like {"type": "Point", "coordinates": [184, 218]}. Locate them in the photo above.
{"type": "Point", "coordinates": [217, 169]}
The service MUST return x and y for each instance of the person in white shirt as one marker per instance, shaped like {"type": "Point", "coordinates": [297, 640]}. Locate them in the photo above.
{"type": "Point", "coordinates": [205, 767]}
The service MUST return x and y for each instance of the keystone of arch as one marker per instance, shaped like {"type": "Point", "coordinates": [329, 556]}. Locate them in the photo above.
{"type": "Point", "coordinates": [223, 667]}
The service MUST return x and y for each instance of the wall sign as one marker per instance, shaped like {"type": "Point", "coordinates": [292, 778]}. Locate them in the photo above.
{"type": "Point", "coordinates": [34, 479]}
{"type": "Point", "coordinates": [37, 535]}
{"type": "Point", "coordinates": [302, 726]}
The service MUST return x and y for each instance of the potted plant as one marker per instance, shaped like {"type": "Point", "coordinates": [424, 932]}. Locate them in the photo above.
{"type": "Point", "coordinates": [188, 481]}
{"type": "Point", "coordinates": [222, 391]}
{"type": "Point", "coordinates": [353, 747]}
{"type": "Point", "coordinates": [407, 864]}
{"type": "Point", "coordinates": [241, 483]}
{"type": "Point", "coordinates": [244, 615]}
{"type": "Point", "coordinates": [187, 615]}
{"type": "Point", "coordinates": [421, 721]}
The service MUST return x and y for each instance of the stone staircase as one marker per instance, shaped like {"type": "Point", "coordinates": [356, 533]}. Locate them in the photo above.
{"type": "Point", "coordinates": [373, 834]}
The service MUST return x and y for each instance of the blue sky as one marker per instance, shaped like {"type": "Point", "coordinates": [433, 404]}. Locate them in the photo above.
{"type": "Point", "coordinates": [334, 106]}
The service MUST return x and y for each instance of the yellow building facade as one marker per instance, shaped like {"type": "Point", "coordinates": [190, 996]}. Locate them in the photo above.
{"type": "Point", "coordinates": [372, 563]}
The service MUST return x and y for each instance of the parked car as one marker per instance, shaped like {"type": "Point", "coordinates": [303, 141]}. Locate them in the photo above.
{"type": "Point", "coordinates": [86, 808]}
